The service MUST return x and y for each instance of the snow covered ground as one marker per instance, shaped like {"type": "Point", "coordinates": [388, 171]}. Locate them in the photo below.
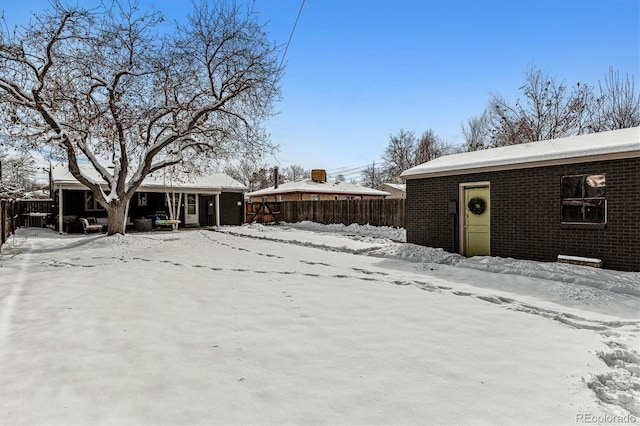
{"type": "Point", "coordinates": [306, 323]}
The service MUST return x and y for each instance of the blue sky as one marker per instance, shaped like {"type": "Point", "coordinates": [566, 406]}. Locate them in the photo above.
{"type": "Point", "coordinates": [360, 70]}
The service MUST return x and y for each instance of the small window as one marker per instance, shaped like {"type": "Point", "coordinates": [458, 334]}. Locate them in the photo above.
{"type": "Point", "coordinates": [191, 204]}
{"type": "Point", "coordinates": [90, 202]}
{"type": "Point", "coordinates": [278, 198]}
{"type": "Point", "coordinates": [264, 198]}
{"type": "Point", "coordinates": [142, 198]}
{"type": "Point", "coordinates": [315, 197]}
{"type": "Point", "coordinates": [584, 199]}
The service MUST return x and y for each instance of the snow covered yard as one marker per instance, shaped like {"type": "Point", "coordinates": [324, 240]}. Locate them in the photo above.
{"type": "Point", "coordinates": [303, 324]}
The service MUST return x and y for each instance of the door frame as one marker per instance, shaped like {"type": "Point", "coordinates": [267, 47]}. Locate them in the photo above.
{"type": "Point", "coordinates": [187, 216]}
{"type": "Point", "coordinates": [461, 212]}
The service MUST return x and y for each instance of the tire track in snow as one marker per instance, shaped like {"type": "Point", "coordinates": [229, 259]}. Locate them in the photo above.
{"type": "Point", "coordinates": [620, 386]}
{"type": "Point", "coordinates": [564, 318]}
{"type": "Point", "coordinates": [567, 319]}
{"type": "Point", "coordinates": [9, 303]}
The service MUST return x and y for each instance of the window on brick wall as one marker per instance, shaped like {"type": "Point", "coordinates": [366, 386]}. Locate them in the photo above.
{"type": "Point", "coordinates": [584, 199]}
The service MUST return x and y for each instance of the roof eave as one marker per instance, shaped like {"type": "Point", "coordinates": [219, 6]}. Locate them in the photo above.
{"type": "Point", "coordinates": [522, 165]}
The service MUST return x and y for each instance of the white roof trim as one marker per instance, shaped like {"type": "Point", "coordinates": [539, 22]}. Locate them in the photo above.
{"type": "Point", "coordinates": [214, 183]}
{"type": "Point", "coordinates": [624, 143]}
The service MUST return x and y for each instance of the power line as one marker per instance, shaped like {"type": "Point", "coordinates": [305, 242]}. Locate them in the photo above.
{"type": "Point", "coordinates": [352, 169]}
{"type": "Point", "coordinates": [295, 24]}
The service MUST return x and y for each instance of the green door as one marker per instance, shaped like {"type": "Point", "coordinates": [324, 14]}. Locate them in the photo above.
{"type": "Point", "coordinates": [476, 222]}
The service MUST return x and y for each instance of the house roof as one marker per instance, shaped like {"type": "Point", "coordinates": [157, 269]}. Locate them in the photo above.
{"type": "Point", "coordinates": [399, 186]}
{"type": "Point", "coordinates": [310, 186]}
{"type": "Point", "coordinates": [156, 182]}
{"type": "Point", "coordinates": [624, 143]}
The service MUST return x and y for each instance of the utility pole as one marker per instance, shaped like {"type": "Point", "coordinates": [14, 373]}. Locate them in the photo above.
{"type": "Point", "coordinates": [373, 174]}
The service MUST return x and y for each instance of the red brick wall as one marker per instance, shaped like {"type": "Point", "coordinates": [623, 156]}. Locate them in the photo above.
{"type": "Point", "coordinates": [305, 196]}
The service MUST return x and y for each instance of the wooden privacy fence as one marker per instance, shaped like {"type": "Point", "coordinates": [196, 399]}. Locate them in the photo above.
{"type": "Point", "coordinates": [373, 212]}
{"type": "Point", "coordinates": [9, 218]}
{"type": "Point", "coordinates": [36, 212]}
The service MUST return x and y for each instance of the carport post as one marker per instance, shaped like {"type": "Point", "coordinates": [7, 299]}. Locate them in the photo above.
{"type": "Point", "coordinates": [217, 209]}
{"type": "Point", "coordinates": [60, 216]}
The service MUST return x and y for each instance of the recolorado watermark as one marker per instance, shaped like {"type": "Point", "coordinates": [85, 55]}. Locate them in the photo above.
{"type": "Point", "coordinates": [606, 418]}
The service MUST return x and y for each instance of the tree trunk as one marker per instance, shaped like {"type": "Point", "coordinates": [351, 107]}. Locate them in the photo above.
{"type": "Point", "coordinates": [116, 212]}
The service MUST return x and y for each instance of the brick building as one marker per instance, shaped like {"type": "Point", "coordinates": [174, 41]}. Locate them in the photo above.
{"type": "Point", "coordinates": [575, 196]}
{"type": "Point", "coordinates": [315, 189]}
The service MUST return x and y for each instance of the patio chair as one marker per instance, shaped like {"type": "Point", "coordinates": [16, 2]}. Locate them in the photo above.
{"type": "Point", "coordinates": [87, 226]}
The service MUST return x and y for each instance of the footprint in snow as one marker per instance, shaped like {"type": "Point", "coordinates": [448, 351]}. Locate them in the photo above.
{"type": "Point", "coordinates": [491, 299]}
{"type": "Point", "coordinates": [365, 271]}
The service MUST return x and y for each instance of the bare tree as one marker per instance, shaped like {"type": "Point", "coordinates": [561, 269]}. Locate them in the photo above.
{"type": "Point", "coordinates": [104, 86]}
{"type": "Point", "coordinates": [429, 147]}
{"type": "Point", "coordinates": [548, 110]}
{"type": "Point", "coordinates": [405, 151]}
{"type": "Point", "coordinates": [295, 172]}
{"type": "Point", "coordinates": [617, 106]}
{"type": "Point", "coordinates": [399, 154]}
{"type": "Point", "coordinates": [373, 176]}
{"type": "Point", "coordinates": [246, 172]}
{"type": "Point", "coordinates": [17, 171]}
{"type": "Point", "coordinates": [476, 133]}
{"type": "Point", "coordinates": [264, 178]}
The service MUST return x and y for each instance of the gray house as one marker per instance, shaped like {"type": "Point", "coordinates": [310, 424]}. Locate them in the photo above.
{"type": "Point", "coordinates": [575, 196]}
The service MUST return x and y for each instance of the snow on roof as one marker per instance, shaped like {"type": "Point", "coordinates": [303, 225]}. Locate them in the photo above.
{"type": "Point", "coordinates": [310, 186]}
{"type": "Point", "coordinates": [399, 186]}
{"type": "Point", "coordinates": [158, 181]}
{"type": "Point", "coordinates": [574, 149]}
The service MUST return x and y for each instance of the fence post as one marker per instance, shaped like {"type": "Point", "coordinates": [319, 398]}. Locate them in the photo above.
{"type": "Point", "coordinates": [14, 217]}
{"type": "Point", "coordinates": [2, 215]}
